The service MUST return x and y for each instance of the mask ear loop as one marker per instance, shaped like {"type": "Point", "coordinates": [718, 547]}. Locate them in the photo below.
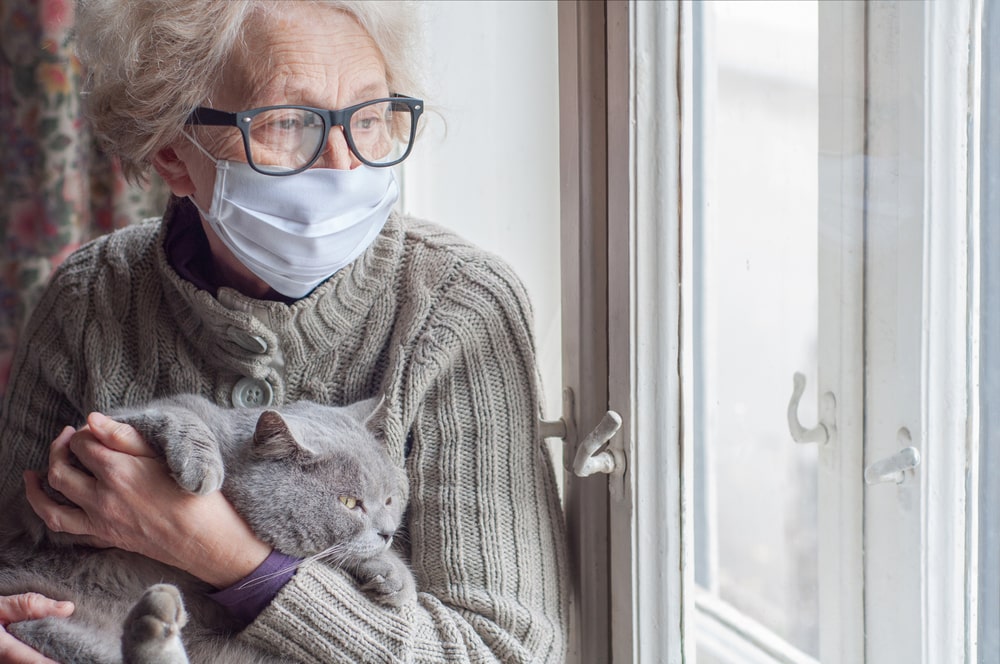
{"type": "Point", "coordinates": [220, 175]}
{"type": "Point", "coordinates": [194, 142]}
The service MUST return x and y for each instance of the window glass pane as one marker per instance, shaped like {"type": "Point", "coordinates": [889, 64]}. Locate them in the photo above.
{"type": "Point", "coordinates": [756, 312]}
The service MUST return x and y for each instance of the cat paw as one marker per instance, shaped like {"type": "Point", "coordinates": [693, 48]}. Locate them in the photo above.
{"type": "Point", "coordinates": [152, 630]}
{"type": "Point", "coordinates": [188, 445]}
{"type": "Point", "coordinates": [199, 478]}
{"type": "Point", "coordinates": [194, 459]}
{"type": "Point", "coordinates": [387, 580]}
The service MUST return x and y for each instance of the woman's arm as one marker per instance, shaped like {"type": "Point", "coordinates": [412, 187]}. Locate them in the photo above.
{"type": "Point", "coordinates": [129, 500]}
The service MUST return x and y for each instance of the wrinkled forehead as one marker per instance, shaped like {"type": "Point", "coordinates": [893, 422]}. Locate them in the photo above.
{"type": "Point", "coordinates": [308, 54]}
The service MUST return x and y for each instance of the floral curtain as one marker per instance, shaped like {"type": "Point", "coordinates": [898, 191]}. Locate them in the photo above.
{"type": "Point", "coordinates": [58, 189]}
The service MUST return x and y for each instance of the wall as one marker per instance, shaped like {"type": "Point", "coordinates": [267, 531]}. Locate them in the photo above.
{"type": "Point", "coordinates": [487, 162]}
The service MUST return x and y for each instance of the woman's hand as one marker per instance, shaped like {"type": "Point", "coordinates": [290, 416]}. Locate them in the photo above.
{"type": "Point", "coordinates": [29, 606]}
{"type": "Point", "coordinates": [130, 501]}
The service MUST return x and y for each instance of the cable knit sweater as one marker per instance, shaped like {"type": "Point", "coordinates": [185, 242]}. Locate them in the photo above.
{"type": "Point", "coordinates": [439, 327]}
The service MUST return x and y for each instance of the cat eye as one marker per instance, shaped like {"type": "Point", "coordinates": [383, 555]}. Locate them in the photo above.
{"type": "Point", "coordinates": [349, 502]}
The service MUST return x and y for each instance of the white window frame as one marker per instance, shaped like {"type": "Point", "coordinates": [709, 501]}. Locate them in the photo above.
{"type": "Point", "coordinates": [841, 328]}
{"type": "Point", "coordinates": [920, 335]}
{"type": "Point", "coordinates": [612, 59]}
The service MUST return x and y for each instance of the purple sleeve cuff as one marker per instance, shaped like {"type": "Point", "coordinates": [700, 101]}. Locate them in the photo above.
{"type": "Point", "coordinates": [246, 598]}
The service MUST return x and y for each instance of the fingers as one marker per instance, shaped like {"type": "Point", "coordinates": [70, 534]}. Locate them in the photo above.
{"type": "Point", "coordinates": [63, 475]}
{"type": "Point", "coordinates": [119, 436]}
{"type": "Point", "coordinates": [13, 651]}
{"type": "Point", "coordinates": [27, 606]}
{"type": "Point", "coordinates": [57, 518]}
{"type": "Point", "coordinates": [102, 447]}
{"type": "Point", "coordinates": [74, 483]}
{"type": "Point", "coordinates": [59, 448]}
{"type": "Point", "coordinates": [97, 446]}
{"type": "Point", "coordinates": [30, 606]}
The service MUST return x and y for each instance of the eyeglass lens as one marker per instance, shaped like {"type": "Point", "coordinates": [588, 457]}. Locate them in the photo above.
{"type": "Point", "coordinates": [285, 139]}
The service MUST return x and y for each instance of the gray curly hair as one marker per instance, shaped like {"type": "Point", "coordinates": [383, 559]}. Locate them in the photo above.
{"type": "Point", "coordinates": [149, 63]}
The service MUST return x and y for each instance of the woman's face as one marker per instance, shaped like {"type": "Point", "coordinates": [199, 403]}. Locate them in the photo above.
{"type": "Point", "coordinates": [307, 54]}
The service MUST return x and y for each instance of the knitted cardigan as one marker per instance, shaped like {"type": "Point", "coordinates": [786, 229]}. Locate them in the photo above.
{"type": "Point", "coordinates": [440, 328]}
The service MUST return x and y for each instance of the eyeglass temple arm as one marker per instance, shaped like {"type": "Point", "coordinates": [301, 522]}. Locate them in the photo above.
{"type": "Point", "coordinates": [210, 116]}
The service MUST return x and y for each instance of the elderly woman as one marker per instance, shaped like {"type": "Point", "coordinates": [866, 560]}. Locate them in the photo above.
{"type": "Point", "coordinates": [280, 272]}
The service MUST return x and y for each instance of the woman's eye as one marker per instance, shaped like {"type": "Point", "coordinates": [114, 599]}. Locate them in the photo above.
{"type": "Point", "coordinates": [367, 122]}
{"type": "Point", "coordinates": [349, 502]}
{"type": "Point", "coordinates": [281, 125]}
{"type": "Point", "coordinates": [284, 124]}
{"type": "Point", "coordinates": [289, 123]}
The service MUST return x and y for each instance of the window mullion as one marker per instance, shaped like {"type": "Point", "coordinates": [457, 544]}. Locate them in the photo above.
{"type": "Point", "coordinates": [917, 332]}
{"type": "Point", "coordinates": [650, 179]}
{"type": "Point", "coordinates": [840, 330]}
{"type": "Point", "coordinates": [583, 242]}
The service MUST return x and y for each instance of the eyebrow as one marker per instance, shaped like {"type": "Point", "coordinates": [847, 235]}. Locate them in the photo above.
{"type": "Point", "coordinates": [371, 91]}
{"type": "Point", "coordinates": [365, 93]}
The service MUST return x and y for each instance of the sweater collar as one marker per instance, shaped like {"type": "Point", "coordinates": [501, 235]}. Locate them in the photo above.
{"type": "Point", "coordinates": [317, 322]}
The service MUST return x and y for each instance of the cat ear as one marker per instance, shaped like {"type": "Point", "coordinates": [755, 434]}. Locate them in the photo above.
{"type": "Point", "coordinates": [368, 412]}
{"type": "Point", "coordinates": [273, 439]}
{"type": "Point", "coordinates": [374, 412]}
{"type": "Point", "coordinates": [374, 417]}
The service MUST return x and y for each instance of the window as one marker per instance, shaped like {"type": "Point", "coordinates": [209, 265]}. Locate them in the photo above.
{"type": "Point", "coordinates": [891, 328]}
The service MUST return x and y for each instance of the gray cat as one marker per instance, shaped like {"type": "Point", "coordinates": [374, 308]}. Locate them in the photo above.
{"type": "Point", "coordinates": [312, 481]}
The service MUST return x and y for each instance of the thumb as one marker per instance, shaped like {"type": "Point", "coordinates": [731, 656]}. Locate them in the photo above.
{"type": "Point", "coordinates": [119, 436]}
{"type": "Point", "coordinates": [29, 606]}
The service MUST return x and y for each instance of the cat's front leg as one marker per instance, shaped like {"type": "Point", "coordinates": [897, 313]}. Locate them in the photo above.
{"type": "Point", "coordinates": [387, 579]}
{"type": "Point", "coordinates": [190, 448]}
{"type": "Point", "coordinates": [152, 629]}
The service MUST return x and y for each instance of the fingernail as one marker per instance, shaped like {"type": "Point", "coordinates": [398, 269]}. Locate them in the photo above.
{"type": "Point", "coordinates": [64, 605]}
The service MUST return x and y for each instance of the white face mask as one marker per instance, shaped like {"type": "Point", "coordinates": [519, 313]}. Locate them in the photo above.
{"type": "Point", "coordinates": [295, 232]}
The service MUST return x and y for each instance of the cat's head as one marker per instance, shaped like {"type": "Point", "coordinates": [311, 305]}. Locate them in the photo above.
{"type": "Point", "coordinates": [317, 478]}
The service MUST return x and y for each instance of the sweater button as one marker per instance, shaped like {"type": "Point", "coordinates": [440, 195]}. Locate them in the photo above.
{"type": "Point", "coordinates": [252, 393]}
{"type": "Point", "coordinates": [247, 341]}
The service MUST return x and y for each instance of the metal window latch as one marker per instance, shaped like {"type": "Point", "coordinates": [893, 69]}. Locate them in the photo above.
{"type": "Point", "coordinates": [828, 407]}
{"type": "Point", "coordinates": [893, 468]}
{"type": "Point", "coordinates": [588, 460]}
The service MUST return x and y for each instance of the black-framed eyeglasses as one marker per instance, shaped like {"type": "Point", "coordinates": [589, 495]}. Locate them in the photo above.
{"type": "Point", "coordinates": [285, 140]}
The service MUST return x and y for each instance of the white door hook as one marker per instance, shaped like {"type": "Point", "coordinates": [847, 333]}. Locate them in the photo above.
{"type": "Point", "coordinates": [819, 433]}
{"type": "Point", "coordinates": [587, 460]}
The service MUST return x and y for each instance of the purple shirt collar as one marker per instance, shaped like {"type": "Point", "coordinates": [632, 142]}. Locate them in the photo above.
{"type": "Point", "coordinates": [187, 248]}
